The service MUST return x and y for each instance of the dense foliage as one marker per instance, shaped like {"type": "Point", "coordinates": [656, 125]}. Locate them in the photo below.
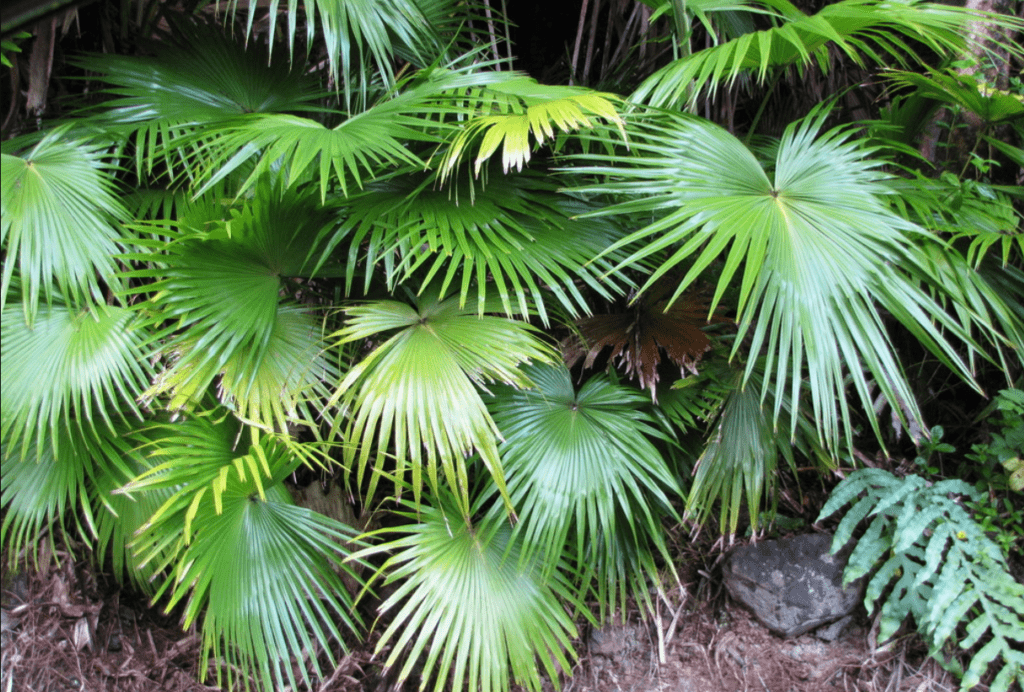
{"type": "Point", "coordinates": [527, 327]}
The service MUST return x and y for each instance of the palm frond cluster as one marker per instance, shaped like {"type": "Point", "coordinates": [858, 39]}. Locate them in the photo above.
{"type": "Point", "coordinates": [238, 265]}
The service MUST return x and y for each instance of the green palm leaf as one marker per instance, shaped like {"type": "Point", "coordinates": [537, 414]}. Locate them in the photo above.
{"type": "Point", "coordinates": [470, 603]}
{"type": "Point", "coordinates": [265, 572]}
{"type": "Point", "coordinates": [508, 112]}
{"type": "Point", "coordinates": [47, 481]}
{"type": "Point", "coordinates": [69, 371]}
{"type": "Point", "coordinates": [119, 517]}
{"type": "Point", "coordinates": [991, 105]}
{"type": "Point", "coordinates": [357, 32]}
{"type": "Point", "coordinates": [205, 77]}
{"type": "Point", "coordinates": [740, 459]}
{"type": "Point", "coordinates": [221, 293]}
{"type": "Point", "coordinates": [875, 30]}
{"type": "Point", "coordinates": [585, 478]}
{"type": "Point", "coordinates": [817, 246]}
{"type": "Point", "coordinates": [361, 147]}
{"type": "Point", "coordinates": [986, 309]}
{"type": "Point", "coordinates": [515, 236]}
{"type": "Point", "coordinates": [57, 222]}
{"type": "Point", "coordinates": [419, 390]}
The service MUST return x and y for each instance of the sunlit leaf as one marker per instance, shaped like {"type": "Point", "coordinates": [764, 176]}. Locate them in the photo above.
{"type": "Point", "coordinates": [469, 608]}
{"type": "Point", "coordinates": [419, 392]}
{"type": "Point", "coordinates": [586, 478]}
{"type": "Point", "coordinates": [58, 216]}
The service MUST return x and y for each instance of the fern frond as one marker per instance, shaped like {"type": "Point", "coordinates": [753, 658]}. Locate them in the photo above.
{"type": "Point", "coordinates": [949, 575]}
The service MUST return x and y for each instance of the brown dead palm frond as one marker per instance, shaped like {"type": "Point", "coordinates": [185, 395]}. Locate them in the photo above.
{"type": "Point", "coordinates": [638, 333]}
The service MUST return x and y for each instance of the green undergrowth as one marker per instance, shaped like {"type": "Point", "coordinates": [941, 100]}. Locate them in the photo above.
{"type": "Point", "coordinates": [929, 559]}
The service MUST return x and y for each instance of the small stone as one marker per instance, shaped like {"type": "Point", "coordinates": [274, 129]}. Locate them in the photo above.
{"type": "Point", "coordinates": [114, 645]}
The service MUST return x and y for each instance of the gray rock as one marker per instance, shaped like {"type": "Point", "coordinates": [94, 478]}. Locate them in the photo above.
{"type": "Point", "coordinates": [791, 585]}
{"type": "Point", "coordinates": [834, 631]}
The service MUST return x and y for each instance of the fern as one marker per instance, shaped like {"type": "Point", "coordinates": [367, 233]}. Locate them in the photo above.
{"type": "Point", "coordinates": [932, 561]}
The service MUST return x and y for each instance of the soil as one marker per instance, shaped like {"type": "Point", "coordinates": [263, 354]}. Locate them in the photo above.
{"type": "Point", "coordinates": [67, 629]}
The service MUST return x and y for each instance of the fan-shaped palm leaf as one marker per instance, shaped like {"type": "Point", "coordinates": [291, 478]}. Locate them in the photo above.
{"type": "Point", "coordinates": [419, 389]}
{"type": "Point", "coordinates": [472, 604]}
{"type": "Point", "coordinates": [119, 516]}
{"type": "Point", "coordinates": [357, 31]}
{"type": "Point", "coordinates": [57, 222]}
{"type": "Point", "coordinates": [582, 465]}
{"type": "Point", "coordinates": [70, 370]}
{"type": "Point", "coordinates": [991, 105]}
{"type": "Point", "coordinates": [204, 78]}
{"type": "Point", "coordinates": [817, 244]}
{"type": "Point", "coordinates": [874, 29]}
{"type": "Point", "coordinates": [740, 459]}
{"type": "Point", "coordinates": [515, 236]}
{"type": "Point", "coordinates": [50, 480]}
{"type": "Point", "coordinates": [638, 334]}
{"type": "Point", "coordinates": [508, 112]}
{"type": "Point", "coordinates": [221, 290]}
{"type": "Point", "coordinates": [363, 146]}
{"type": "Point", "coordinates": [265, 571]}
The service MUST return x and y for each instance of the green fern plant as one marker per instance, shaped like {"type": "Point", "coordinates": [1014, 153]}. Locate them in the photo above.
{"type": "Point", "coordinates": [932, 561]}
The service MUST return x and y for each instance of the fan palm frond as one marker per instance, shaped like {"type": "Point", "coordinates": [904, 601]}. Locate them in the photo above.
{"type": "Point", "coordinates": [738, 461]}
{"type": "Point", "coordinates": [58, 222]}
{"type": "Point", "coordinates": [470, 604]}
{"type": "Point", "coordinates": [638, 334]}
{"type": "Point", "coordinates": [119, 517]}
{"type": "Point", "coordinates": [365, 145]}
{"type": "Point", "coordinates": [72, 370]}
{"type": "Point", "coordinates": [508, 112]}
{"type": "Point", "coordinates": [864, 30]}
{"type": "Point", "coordinates": [220, 290]}
{"type": "Point", "coordinates": [738, 467]}
{"type": "Point", "coordinates": [361, 37]}
{"type": "Point", "coordinates": [992, 106]}
{"type": "Point", "coordinates": [47, 481]}
{"type": "Point", "coordinates": [818, 246]}
{"type": "Point", "coordinates": [515, 236]}
{"type": "Point", "coordinates": [586, 479]}
{"type": "Point", "coordinates": [419, 390]}
{"type": "Point", "coordinates": [265, 572]}
{"type": "Point", "coordinates": [204, 77]}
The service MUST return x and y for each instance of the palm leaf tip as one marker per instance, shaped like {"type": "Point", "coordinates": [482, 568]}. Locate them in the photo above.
{"type": "Point", "coordinates": [512, 112]}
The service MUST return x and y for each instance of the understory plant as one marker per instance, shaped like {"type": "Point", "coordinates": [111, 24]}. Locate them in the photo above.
{"type": "Point", "coordinates": [930, 561]}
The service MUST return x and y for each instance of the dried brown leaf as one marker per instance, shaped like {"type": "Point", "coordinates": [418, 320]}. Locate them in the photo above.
{"type": "Point", "coordinates": [639, 333]}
